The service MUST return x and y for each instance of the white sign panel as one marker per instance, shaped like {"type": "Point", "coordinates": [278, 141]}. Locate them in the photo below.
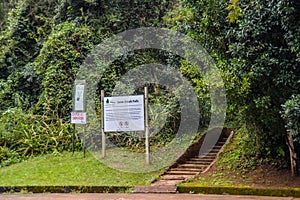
{"type": "Point", "coordinates": [79, 104]}
{"type": "Point", "coordinates": [124, 113]}
{"type": "Point", "coordinates": [78, 117]}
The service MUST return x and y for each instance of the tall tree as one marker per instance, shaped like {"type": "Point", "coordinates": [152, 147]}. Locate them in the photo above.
{"type": "Point", "coordinates": [265, 50]}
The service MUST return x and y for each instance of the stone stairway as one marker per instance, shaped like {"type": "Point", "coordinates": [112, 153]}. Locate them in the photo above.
{"type": "Point", "coordinates": [189, 165]}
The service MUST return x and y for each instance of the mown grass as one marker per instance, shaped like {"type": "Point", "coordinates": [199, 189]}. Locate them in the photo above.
{"type": "Point", "coordinates": [65, 169]}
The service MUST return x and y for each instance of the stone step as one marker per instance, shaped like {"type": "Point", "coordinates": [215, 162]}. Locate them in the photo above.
{"type": "Point", "coordinates": [218, 147]}
{"type": "Point", "coordinates": [200, 160]}
{"type": "Point", "coordinates": [175, 177]}
{"type": "Point", "coordinates": [165, 182]}
{"type": "Point", "coordinates": [214, 151]}
{"type": "Point", "coordinates": [195, 166]}
{"type": "Point", "coordinates": [208, 160]}
{"type": "Point", "coordinates": [206, 157]}
{"type": "Point", "coordinates": [197, 163]}
{"type": "Point", "coordinates": [222, 141]}
{"type": "Point", "coordinates": [210, 152]}
{"type": "Point", "coordinates": [155, 189]}
{"type": "Point", "coordinates": [175, 172]}
{"type": "Point", "coordinates": [186, 169]}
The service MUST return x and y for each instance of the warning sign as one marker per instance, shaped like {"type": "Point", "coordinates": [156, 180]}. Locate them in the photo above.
{"type": "Point", "coordinates": [124, 113]}
{"type": "Point", "coordinates": [78, 117]}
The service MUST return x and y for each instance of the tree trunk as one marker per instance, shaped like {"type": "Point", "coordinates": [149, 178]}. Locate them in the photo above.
{"type": "Point", "coordinates": [293, 156]}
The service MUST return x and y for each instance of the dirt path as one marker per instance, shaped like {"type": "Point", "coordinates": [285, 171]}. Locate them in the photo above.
{"type": "Point", "coordinates": [135, 197]}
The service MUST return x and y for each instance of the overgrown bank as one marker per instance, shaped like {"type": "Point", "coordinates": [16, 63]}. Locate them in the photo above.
{"type": "Point", "coordinates": [255, 44]}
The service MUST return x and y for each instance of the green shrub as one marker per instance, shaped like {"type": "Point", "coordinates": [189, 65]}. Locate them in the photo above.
{"type": "Point", "coordinates": [291, 116]}
{"type": "Point", "coordinates": [25, 134]}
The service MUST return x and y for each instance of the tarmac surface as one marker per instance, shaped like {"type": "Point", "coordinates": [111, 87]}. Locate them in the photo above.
{"type": "Point", "coordinates": [110, 196]}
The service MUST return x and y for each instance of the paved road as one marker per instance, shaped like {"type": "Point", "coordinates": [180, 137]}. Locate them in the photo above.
{"type": "Point", "coordinates": [90, 196]}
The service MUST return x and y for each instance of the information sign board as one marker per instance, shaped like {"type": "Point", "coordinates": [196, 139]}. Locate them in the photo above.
{"type": "Point", "coordinates": [79, 95]}
{"type": "Point", "coordinates": [124, 113]}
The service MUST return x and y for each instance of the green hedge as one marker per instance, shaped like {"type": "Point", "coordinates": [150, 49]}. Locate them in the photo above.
{"type": "Point", "coordinates": [282, 192]}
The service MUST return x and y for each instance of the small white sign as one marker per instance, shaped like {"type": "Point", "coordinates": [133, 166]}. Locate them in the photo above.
{"type": "Point", "coordinates": [78, 117]}
{"type": "Point", "coordinates": [124, 113]}
{"type": "Point", "coordinates": [79, 103]}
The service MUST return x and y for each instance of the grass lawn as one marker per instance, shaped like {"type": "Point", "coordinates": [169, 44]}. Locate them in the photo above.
{"type": "Point", "coordinates": [67, 170]}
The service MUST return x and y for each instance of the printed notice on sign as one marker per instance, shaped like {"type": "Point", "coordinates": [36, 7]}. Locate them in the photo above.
{"type": "Point", "coordinates": [124, 113]}
{"type": "Point", "coordinates": [79, 104]}
{"type": "Point", "coordinates": [78, 117]}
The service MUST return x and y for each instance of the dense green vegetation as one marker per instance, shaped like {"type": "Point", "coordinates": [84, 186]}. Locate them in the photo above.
{"type": "Point", "coordinates": [255, 44]}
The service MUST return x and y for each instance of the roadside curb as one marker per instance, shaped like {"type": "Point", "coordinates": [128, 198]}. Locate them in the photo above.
{"type": "Point", "coordinates": [278, 192]}
{"type": "Point", "coordinates": [65, 189]}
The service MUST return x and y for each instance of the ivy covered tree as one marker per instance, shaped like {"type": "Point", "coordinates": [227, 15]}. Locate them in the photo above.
{"type": "Point", "coordinates": [255, 44]}
{"type": "Point", "coordinates": [42, 45]}
{"type": "Point", "coordinates": [291, 116]}
{"type": "Point", "coordinates": [23, 34]}
{"type": "Point", "coordinates": [265, 51]}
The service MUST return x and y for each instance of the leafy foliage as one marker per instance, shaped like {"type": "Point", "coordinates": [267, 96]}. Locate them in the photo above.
{"type": "Point", "coordinates": [234, 10]}
{"type": "Point", "coordinates": [57, 64]}
{"type": "Point", "coordinates": [291, 115]}
{"type": "Point", "coordinates": [267, 61]}
{"type": "Point", "coordinates": [25, 134]}
{"type": "Point", "coordinates": [255, 44]}
{"type": "Point", "coordinates": [24, 32]}
{"type": "Point", "coordinates": [43, 44]}
{"type": "Point", "coordinates": [5, 6]}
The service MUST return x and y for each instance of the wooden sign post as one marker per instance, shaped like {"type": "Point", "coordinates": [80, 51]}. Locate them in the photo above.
{"type": "Point", "coordinates": [78, 115]}
{"type": "Point", "coordinates": [147, 127]}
